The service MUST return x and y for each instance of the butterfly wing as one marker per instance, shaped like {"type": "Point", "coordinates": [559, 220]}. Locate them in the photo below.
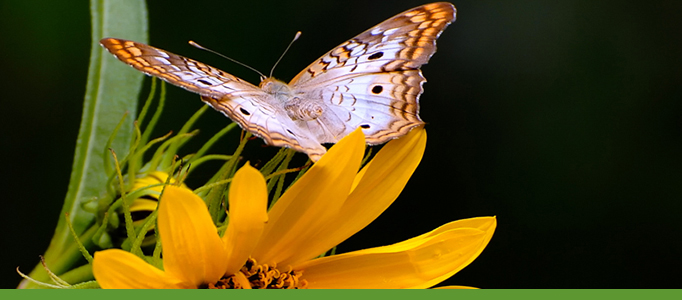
{"type": "Point", "coordinates": [373, 80]}
{"type": "Point", "coordinates": [268, 122]}
{"type": "Point", "coordinates": [249, 106]}
{"type": "Point", "coordinates": [181, 71]}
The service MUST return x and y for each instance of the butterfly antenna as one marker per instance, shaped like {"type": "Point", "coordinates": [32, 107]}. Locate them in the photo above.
{"type": "Point", "coordinates": [228, 58]}
{"type": "Point", "coordinates": [298, 35]}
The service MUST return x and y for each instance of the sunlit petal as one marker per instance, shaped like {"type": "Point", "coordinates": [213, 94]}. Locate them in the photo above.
{"type": "Point", "coordinates": [483, 223]}
{"type": "Point", "coordinates": [414, 143]}
{"type": "Point", "coordinates": [311, 201]}
{"type": "Point", "coordinates": [118, 269]}
{"type": "Point", "coordinates": [382, 181]}
{"type": "Point", "coordinates": [468, 257]}
{"type": "Point", "coordinates": [192, 249]}
{"type": "Point", "coordinates": [248, 201]}
{"type": "Point", "coordinates": [418, 264]}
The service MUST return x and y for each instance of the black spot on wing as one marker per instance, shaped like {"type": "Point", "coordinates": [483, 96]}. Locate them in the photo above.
{"type": "Point", "coordinates": [376, 56]}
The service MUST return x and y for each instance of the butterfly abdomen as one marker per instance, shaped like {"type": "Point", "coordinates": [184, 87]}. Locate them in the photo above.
{"type": "Point", "coordinates": [299, 109]}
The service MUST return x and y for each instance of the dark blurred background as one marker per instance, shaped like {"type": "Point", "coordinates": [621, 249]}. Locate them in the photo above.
{"type": "Point", "coordinates": [562, 118]}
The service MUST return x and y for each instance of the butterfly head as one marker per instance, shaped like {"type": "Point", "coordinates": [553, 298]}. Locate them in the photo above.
{"type": "Point", "coordinates": [275, 87]}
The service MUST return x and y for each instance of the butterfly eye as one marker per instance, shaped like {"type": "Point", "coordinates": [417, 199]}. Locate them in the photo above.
{"type": "Point", "coordinates": [377, 89]}
{"type": "Point", "coordinates": [244, 111]}
{"type": "Point", "coordinates": [376, 56]}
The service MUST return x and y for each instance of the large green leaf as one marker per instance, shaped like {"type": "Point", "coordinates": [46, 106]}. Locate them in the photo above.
{"type": "Point", "coordinates": [112, 92]}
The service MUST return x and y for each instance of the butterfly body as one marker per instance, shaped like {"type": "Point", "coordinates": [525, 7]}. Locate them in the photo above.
{"type": "Point", "coordinates": [372, 81]}
{"type": "Point", "coordinates": [297, 108]}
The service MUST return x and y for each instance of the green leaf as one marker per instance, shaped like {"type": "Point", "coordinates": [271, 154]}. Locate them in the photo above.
{"type": "Point", "coordinates": [112, 91]}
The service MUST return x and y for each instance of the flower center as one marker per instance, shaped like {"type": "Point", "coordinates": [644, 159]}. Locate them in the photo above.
{"type": "Point", "coordinates": [255, 276]}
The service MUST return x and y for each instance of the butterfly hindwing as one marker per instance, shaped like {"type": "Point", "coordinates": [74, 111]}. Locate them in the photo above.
{"type": "Point", "coordinates": [269, 123]}
{"type": "Point", "coordinates": [385, 105]}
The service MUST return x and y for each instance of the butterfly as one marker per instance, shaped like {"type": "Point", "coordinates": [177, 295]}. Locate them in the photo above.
{"type": "Point", "coordinates": [372, 81]}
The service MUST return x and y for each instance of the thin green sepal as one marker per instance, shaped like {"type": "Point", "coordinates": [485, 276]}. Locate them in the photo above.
{"type": "Point", "coordinates": [130, 229]}
{"type": "Point", "coordinates": [157, 114]}
{"type": "Point", "coordinates": [208, 157]}
{"type": "Point", "coordinates": [173, 148]}
{"type": "Point", "coordinates": [215, 195]}
{"type": "Point", "coordinates": [84, 251]}
{"type": "Point", "coordinates": [212, 141]}
{"type": "Point", "coordinates": [106, 160]}
{"type": "Point", "coordinates": [147, 103]}
{"type": "Point", "coordinates": [270, 166]}
{"type": "Point", "coordinates": [158, 161]}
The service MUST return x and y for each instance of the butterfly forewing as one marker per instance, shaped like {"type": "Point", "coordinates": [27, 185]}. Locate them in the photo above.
{"type": "Point", "coordinates": [403, 42]}
{"type": "Point", "coordinates": [178, 70]}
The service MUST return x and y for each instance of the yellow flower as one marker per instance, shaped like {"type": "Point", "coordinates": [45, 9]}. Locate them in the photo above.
{"type": "Point", "coordinates": [147, 201]}
{"type": "Point", "coordinates": [147, 190]}
{"type": "Point", "coordinates": [278, 249]}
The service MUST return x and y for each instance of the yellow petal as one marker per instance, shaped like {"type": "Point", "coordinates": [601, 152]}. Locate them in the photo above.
{"type": "Point", "coordinates": [403, 153]}
{"type": "Point", "coordinates": [383, 179]}
{"type": "Point", "coordinates": [456, 287]}
{"type": "Point", "coordinates": [482, 223]}
{"type": "Point", "coordinates": [153, 178]}
{"type": "Point", "coordinates": [192, 249]}
{"type": "Point", "coordinates": [142, 204]}
{"type": "Point", "coordinates": [118, 269]}
{"type": "Point", "coordinates": [317, 196]}
{"type": "Point", "coordinates": [410, 146]}
{"type": "Point", "coordinates": [419, 264]}
{"type": "Point", "coordinates": [488, 226]}
{"type": "Point", "coordinates": [143, 207]}
{"type": "Point", "coordinates": [248, 201]}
